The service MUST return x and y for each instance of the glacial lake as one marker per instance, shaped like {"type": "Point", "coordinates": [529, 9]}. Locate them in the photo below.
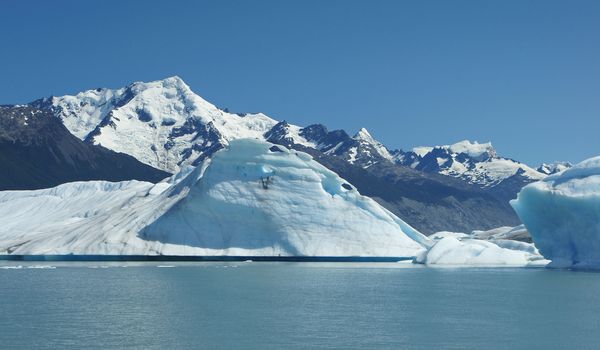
{"type": "Point", "coordinates": [294, 306]}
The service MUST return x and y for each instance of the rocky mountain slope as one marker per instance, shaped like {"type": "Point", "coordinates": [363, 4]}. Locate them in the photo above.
{"type": "Point", "coordinates": [37, 151]}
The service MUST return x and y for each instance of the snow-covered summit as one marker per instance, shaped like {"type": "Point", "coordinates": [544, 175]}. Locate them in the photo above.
{"type": "Point", "coordinates": [474, 150]}
{"type": "Point", "coordinates": [553, 168]}
{"type": "Point", "coordinates": [369, 144]}
{"type": "Point", "coordinates": [476, 163]}
{"type": "Point", "coordinates": [161, 123]}
{"type": "Point", "coordinates": [165, 124]}
{"type": "Point", "coordinates": [252, 198]}
{"type": "Point", "coordinates": [361, 149]}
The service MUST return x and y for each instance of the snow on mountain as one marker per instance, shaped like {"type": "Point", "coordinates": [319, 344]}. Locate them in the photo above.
{"type": "Point", "coordinates": [287, 134]}
{"type": "Point", "coordinates": [161, 123]}
{"type": "Point", "coordinates": [37, 151]}
{"type": "Point", "coordinates": [361, 149]}
{"type": "Point", "coordinates": [367, 142]}
{"type": "Point", "coordinates": [553, 168]}
{"type": "Point", "coordinates": [251, 198]}
{"type": "Point", "coordinates": [166, 125]}
{"type": "Point", "coordinates": [475, 150]}
{"type": "Point", "coordinates": [562, 214]}
{"type": "Point", "coordinates": [475, 163]}
{"type": "Point", "coordinates": [174, 127]}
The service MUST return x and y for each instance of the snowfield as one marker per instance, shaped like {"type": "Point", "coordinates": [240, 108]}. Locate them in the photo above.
{"type": "Point", "coordinates": [252, 198]}
{"type": "Point", "coordinates": [562, 214]}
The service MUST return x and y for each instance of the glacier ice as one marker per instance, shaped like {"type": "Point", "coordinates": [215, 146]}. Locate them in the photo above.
{"type": "Point", "coordinates": [517, 233]}
{"type": "Point", "coordinates": [246, 200]}
{"type": "Point", "coordinates": [562, 214]}
{"type": "Point", "coordinates": [454, 249]}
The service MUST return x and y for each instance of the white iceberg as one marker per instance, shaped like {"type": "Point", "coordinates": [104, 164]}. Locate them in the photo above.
{"type": "Point", "coordinates": [251, 199]}
{"type": "Point", "coordinates": [562, 214]}
{"type": "Point", "coordinates": [455, 250]}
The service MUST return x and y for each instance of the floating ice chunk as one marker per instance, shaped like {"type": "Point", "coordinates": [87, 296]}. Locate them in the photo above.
{"type": "Point", "coordinates": [562, 214]}
{"type": "Point", "coordinates": [444, 234]}
{"type": "Point", "coordinates": [474, 252]}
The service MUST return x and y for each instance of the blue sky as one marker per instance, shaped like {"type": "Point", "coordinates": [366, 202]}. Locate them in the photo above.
{"type": "Point", "coordinates": [522, 74]}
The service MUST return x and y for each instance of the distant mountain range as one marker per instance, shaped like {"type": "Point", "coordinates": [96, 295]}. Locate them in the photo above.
{"type": "Point", "coordinates": [165, 125]}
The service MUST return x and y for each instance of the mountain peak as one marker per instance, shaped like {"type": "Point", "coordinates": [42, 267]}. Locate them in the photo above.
{"type": "Point", "coordinates": [363, 134]}
{"type": "Point", "coordinates": [553, 168]}
{"type": "Point", "coordinates": [473, 149]}
{"type": "Point", "coordinates": [174, 81]}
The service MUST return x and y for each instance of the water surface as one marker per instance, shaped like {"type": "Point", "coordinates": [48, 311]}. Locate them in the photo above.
{"type": "Point", "coordinates": [294, 306]}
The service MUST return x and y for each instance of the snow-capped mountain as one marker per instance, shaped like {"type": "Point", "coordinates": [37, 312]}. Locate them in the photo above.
{"type": "Point", "coordinates": [164, 124]}
{"type": "Point", "coordinates": [361, 149]}
{"type": "Point", "coordinates": [554, 168]}
{"type": "Point", "coordinates": [161, 123]}
{"type": "Point", "coordinates": [476, 163]}
{"type": "Point", "coordinates": [252, 198]}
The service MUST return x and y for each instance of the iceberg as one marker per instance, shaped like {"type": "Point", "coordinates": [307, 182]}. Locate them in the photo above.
{"type": "Point", "coordinates": [460, 250]}
{"type": "Point", "coordinates": [517, 233]}
{"type": "Point", "coordinates": [252, 198]}
{"type": "Point", "coordinates": [562, 215]}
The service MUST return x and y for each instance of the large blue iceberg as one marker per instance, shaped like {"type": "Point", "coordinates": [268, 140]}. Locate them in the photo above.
{"type": "Point", "coordinates": [562, 214]}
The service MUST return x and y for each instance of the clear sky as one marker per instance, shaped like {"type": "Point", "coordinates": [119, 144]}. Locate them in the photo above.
{"type": "Point", "coordinates": [522, 74]}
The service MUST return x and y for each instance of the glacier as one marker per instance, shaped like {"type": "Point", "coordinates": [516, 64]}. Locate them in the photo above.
{"type": "Point", "coordinates": [252, 198]}
{"type": "Point", "coordinates": [562, 214]}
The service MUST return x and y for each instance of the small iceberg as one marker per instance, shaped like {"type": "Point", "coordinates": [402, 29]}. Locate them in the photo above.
{"type": "Point", "coordinates": [461, 250]}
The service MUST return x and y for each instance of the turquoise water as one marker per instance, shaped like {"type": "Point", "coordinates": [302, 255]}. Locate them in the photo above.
{"type": "Point", "coordinates": [295, 306]}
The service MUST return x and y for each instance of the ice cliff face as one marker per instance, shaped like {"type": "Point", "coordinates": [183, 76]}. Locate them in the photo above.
{"type": "Point", "coordinates": [562, 214]}
{"type": "Point", "coordinates": [252, 198]}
